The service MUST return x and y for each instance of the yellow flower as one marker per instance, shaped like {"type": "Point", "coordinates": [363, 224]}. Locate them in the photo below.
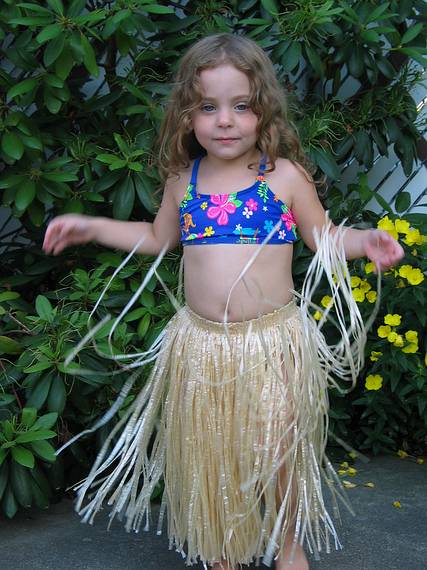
{"type": "Point", "coordinates": [349, 485]}
{"type": "Point", "coordinates": [420, 460]}
{"type": "Point", "coordinates": [373, 382]}
{"type": "Point", "coordinates": [384, 331]}
{"type": "Point", "coordinates": [365, 286]}
{"type": "Point", "coordinates": [355, 280]}
{"type": "Point", "coordinates": [353, 454]}
{"type": "Point", "coordinates": [209, 231]}
{"type": "Point", "coordinates": [392, 336]}
{"type": "Point", "coordinates": [344, 464]}
{"type": "Point", "coordinates": [317, 315]}
{"type": "Point", "coordinates": [397, 504]}
{"type": "Point", "coordinates": [402, 226]}
{"type": "Point", "coordinates": [413, 237]}
{"type": "Point", "coordinates": [393, 320]}
{"type": "Point", "coordinates": [371, 485]}
{"type": "Point", "coordinates": [204, 205]}
{"type": "Point", "coordinates": [375, 355]}
{"type": "Point", "coordinates": [410, 348]}
{"type": "Point", "coordinates": [387, 225]}
{"type": "Point", "coordinates": [369, 267]}
{"type": "Point", "coordinates": [358, 295]}
{"type": "Point", "coordinates": [415, 277]}
{"type": "Point", "coordinates": [342, 471]}
{"type": "Point", "coordinates": [404, 270]}
{"type": "Point", "coordinates": [351, 471]}
{"type": "Point", "coordinates": [414, 252]}
{"type": "Point", "coordinates": [402, 453]}
{"type": "Point", "coordinates": [326, 302]}
{"type": "Point", "coordinates": [371, 296]}
{"type": "Point", "coordinates": [411, 336]}
{"type": "Point", "coordinates": [399, 341]}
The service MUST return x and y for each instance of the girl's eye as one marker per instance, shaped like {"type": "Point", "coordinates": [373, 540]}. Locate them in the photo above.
{"type": "Point", "coordinates": [207, 108]}
{"type": "Point", "coordinates": [242, 106]}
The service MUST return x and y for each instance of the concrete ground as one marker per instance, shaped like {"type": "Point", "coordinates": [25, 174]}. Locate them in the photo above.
{"type": "Point", "coordinates": [379, 537]}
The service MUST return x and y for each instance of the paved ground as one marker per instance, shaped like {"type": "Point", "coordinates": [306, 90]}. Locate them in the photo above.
{"type": "Point", "coordinates": [380, 537]}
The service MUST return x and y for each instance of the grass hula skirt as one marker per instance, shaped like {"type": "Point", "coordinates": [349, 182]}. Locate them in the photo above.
{"type": "Point", "coordinates": [239, 416]}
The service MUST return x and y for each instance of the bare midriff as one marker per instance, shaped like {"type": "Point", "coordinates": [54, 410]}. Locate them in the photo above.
{"type": "Point", "coordinates": [211, 271]}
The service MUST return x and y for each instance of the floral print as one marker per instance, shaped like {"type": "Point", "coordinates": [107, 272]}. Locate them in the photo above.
{"type": "Point", "coordinates": [209, 218]}
{"type": "Point", "coordinates": [268, 225]}
{"type": "Point", "coordinates": [247, 213]}
{"type": "Point", "coordinates": [251, 204]}
{"type": "Point", "coordinates": [222, 207]}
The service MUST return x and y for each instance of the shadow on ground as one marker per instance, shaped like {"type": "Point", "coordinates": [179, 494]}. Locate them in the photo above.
{"type": "Point", "coordinates": [379, 537]}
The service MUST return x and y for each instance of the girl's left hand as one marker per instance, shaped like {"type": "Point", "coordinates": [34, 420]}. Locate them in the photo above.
{"type": "Point", "coordinates": [382, 249]}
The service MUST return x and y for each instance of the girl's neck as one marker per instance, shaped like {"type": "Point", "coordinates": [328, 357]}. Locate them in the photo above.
{"type": "Point", "coordinates": [215, 164]}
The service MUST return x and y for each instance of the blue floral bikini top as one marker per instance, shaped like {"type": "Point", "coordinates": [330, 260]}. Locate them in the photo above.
{"type": "Point", "coordinates": [246, 216]}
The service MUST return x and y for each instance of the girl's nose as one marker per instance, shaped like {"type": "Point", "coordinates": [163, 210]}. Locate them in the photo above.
{"type": "Point", "coordinates": [225, 118]}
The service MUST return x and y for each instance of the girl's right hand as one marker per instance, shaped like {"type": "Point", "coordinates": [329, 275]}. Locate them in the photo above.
{"type": "Point", "coordinates": [66, 230]}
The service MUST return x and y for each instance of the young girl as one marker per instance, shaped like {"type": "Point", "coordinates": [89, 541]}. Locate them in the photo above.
{"type": "Point", "coordinates": [238, 392]}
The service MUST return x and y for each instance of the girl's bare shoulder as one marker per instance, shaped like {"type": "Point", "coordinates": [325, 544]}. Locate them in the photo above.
{"type": "Point", "coordinates": [176, 183]}
{"type": "Point", "coordinates": [289, 179]}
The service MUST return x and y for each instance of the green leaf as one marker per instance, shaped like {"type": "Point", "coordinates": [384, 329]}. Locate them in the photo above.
{"type": "Point", "coordinates": [403, 201]}
{"type": "Point", "coordinates": [377, 13]}
{"type": "Point", "coordinates": [9, 346]}
{"type": "Point", "coordinates": [292, 56]}
{"type": "Point", "coordinates": [411, 33]}
{"type": "Point", "coordinates": [124, 199]}
{"type": "Point", "coordinates": [46, 421]}
{"type": "Point", "coordinates": [32, 142]}
{"type": "Point", "coordinates": [39, 393]}
{"type": "Point", "coordinates": [23, 456]}
{"type": "Point", "coordinates": [56, 6]}
{"type": "Point", "coordinates": [157, 9]}
{"type": "Point", "coordinates": [270, 6]}
{"type": "Point", "coordinates": [44, 308]}
{"type": "Point", "coordinates": [44, 450]}
{"type": "Point", "coordinates": [10, 506]}
{"type": "Point", "coordinates": [57, 396]}
{"type": "Point", "coordinates": [39, 367]}
{"type": "Point", "coordinates": [22, 87]}
{"type": "Point", "coordinates": [89, 58]}
{"type": "Point", "coordinates": [53, 52]}
{"type": "Point", "coordinates": [60, 176]}
{"type": "Point", "coordinates": [34, 435]}
{"type": "Point", "coordinates": [12, 145]}
{"type": "Point", "coordinates": [49, 32]}
{"type": "Point", "coordinates": [34, 8]}
{"type": "Point", "coordinates": [326, 162]}
{"type": "Point", "coordinates": [31, 21]}
{"type": "Point", "coordinates": [145, 192]}
{"type": "Point", "coordinates": [414, 54]}
{"type": "Point", "coordinates": [25, 194]}
{"type": "Point", "coordinates": [315, 61]}
{"type": "Point", "coordinates": [64, 63]}
{"type": "Point", "coordinates": [144, 325]}
{"type": "Point", "coordinates": [28, 417]}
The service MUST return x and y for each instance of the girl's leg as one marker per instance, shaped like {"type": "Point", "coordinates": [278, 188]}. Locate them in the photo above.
{"type": "Point", "coordinates": [300, 561]}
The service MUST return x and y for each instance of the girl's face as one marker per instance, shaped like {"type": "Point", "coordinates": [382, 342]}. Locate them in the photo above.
{"type": "Point", "coordinates": [224, 124]}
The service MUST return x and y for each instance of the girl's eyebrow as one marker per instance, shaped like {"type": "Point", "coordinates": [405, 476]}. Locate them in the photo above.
{"type": "Point", "coordinates": [235, 98]}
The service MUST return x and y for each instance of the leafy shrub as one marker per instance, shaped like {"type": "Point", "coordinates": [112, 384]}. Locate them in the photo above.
{"type": "Point", "coordinates": [84, 87]}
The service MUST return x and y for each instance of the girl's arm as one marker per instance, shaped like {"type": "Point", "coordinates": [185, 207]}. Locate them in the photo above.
{"type": "Point", "coordinates": [73, 229]}
{"type": "Point", "coordinates": [309, 213]}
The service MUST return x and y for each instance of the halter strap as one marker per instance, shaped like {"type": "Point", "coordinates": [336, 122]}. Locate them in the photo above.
{"type": "Point", "coordinates": [262, 165]}
{"type": "Point", "coordinates": [195, 170]}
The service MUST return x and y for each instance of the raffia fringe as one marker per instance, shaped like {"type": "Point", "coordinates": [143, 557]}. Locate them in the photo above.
{"type": "Point", "coordinates": [232, 407]}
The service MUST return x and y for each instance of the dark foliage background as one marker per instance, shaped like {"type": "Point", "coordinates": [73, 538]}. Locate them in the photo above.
{"type": "Point", "coordinates": [83, 87]}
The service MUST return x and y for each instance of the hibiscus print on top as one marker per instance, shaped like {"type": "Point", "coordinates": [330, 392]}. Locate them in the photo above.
{"type": "Point", "coordinates": [221, 208]}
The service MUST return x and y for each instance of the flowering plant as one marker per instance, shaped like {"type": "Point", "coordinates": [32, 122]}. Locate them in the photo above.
{"type": "Point", "coordinates": [388, 408]}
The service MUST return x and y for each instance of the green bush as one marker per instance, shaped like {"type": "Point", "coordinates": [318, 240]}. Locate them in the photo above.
{"type": "Point", "coordinates": [84, 85]}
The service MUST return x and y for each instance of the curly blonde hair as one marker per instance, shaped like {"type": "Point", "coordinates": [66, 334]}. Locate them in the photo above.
{"type": "Point", "coordinates": [177, 144]}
